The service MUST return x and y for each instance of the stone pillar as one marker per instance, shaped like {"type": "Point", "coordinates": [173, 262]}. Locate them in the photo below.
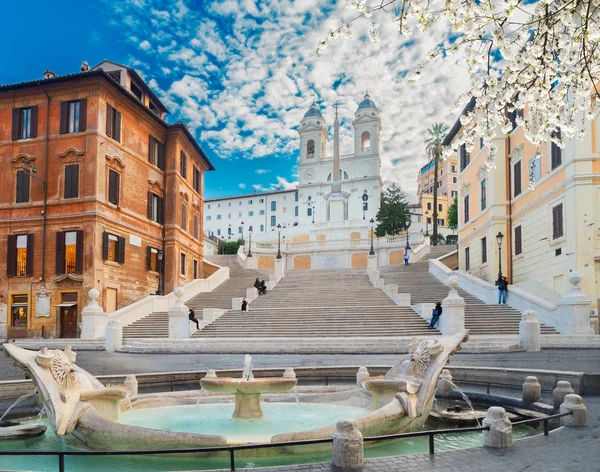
{"type": "Point", "coordinates": [575, 404]}
{"type": "Point", "coordinates": [575, 309]}
{"type": "Point", "coordinates": [251, 294]}
{"type": "Point", "coordinates": [532, 390]}
{"type": "Point", "coordinates": [372, 263]}
{"type": "Point", "coordinates": [362, 374]}
{"type": "Point", "coordinates": [289, 373]}
{"type": "Point", "coordinates": [500, 434]}
{"type": "Point", "coordinates": [529, 332]}
{"type": "Point", "coordinates": [236, 303]}
{"type": "Point", "coordinates": [348, 451]}
{"type": "Point", "coordinates": [373, 276]}
{"type": "Point", "coordinates": [444, 385]}
{"type": "Point", "coordinates": [113, 336]}
{"type": "Point", "coordinates": [280, 267]}
{"type": "Point", "coordinates": [402, 299]}
{"type": "Point", "coordinates": [391, 290]}
{"type": "Point", "coordinates": [563, 388]}
{"type": "Point", "coordinates": [132, 384]}
{"type": "Point", "coordinates": [453, 310]}
{"type": "Point", "coordinates": [179, 322]}
{"type": "Point", "coordinates": [93, 318]}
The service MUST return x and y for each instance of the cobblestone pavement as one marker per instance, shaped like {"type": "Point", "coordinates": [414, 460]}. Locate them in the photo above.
{"type": "Point", "coordinates": [567, 449]}
{"type": "Point", "coordinates": [103, 363]}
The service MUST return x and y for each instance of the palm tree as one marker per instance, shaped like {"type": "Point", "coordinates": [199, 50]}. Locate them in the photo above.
{"type": "Point", "coordinates": [433, 145]}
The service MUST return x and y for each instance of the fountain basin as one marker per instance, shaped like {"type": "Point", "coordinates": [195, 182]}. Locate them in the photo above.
{"type": "Point", "coordinates": [247, 392]}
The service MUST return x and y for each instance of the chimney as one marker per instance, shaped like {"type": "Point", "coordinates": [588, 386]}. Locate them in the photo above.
{"type": "Point", "coordinates": [49, 74]}
{"type": "Point", "coordinates": [85, 67]}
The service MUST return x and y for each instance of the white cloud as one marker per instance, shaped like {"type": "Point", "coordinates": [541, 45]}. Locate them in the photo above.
{"type": "Point", "coordinates": [145, 45]}
{"type": "Point", "coordinates": [242, 186]}
{"type": "Point", "coordinates": [262, 171]}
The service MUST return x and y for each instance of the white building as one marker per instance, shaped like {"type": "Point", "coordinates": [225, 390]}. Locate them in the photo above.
{"type": "Point", "coordinates": [320, 198]}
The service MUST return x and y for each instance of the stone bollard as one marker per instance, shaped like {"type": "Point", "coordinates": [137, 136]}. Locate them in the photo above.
{"type": "Point", "coordinates": [251, 294]}
{"type": "Point", "coordinates": [529, 332]}
{"type": "Point", "coordinates": [93, 318]}
{"type": "Point", "coordinates": [132, 384]}
{"type": "Point", "coordinates": [563, 388]}
{"type": "Point", "coordinates": [391, 290]}
{"type": "Point", "coordinates": [236, 303]}
{"type": "Point", "coordinates": [453, 310]}
{"type": "Point", "coordinates": [532, 390]}
{"type": "Point", "coordinates": [348, 451]}
{"type": "Point", "coordinates": [289, 373]}
{"type": "Point", "coordinates": [210, 374]}
{"type": "Point", "coordinates": [113, 336]}
{"type": "Point", "coordinates": [402, 299]}
{"type": "Point", "coordinates": [179, 322]}
{"type": "Point", "coordinates": [362, 374]}
{"type": "Point", "coordinates": [500, 433]}
{"type": "Point", "coordinates": [574, 309]}
{"type": "Point", "coordinates": [575, 404]}
{"type": "Point", "coordinates": [444, 385]}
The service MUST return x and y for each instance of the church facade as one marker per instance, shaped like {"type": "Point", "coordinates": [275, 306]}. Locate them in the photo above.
{"type": "Point", "coordinates": [331, 189]}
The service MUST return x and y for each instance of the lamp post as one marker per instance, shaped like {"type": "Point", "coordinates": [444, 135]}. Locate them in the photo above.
{"type": "Point", "coordinates": [278, 241]}
{"type": "Point", "coordinates": [250, 242]}
{"type": "Point", "coordinates": [372, 251]}
{"type": "Point", "coordinates": [426, 223]}
{"type": "Point", "coordinates": [499, 237]}
{"type": "Point", "coordinates": [408, 222]}
{"type": "Point", "coordinates": [313, 213]}
{"type": "Point", "coordinates": [159, 256]}
{"type": "Point", "coordinates": [365, 199]}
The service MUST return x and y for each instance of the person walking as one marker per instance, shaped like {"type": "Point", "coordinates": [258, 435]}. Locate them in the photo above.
{"type": "Point", "coordinates": [406, 258]}
{"type": "Point", "coordinates": [244, 304]}
{"type": "Point", "coordinates": [436, 313]}
{"type": "Point", "coordinates": [192, 317]}
{"type": "Point", "coordinates": [502, 284]}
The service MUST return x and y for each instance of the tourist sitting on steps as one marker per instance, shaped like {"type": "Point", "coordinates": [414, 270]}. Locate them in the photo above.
{"type": "Point", "coordinates": [244, 304]}
{"type": "Point", "coordinates": [436, 313]}
{"type": "Point", "coordinates": [257, 285]}
{"type": "Point", "coordinates": [263, 288]}
{"type": "Point", "coordinates": [192, 317]}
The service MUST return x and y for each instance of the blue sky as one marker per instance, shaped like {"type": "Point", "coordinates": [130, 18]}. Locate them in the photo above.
{"type": "Point", "coordinates": [242, 74]}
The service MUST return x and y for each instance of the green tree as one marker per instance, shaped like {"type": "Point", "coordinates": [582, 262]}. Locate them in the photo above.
{"type": "Point", "coordinates": [453, 215]}
{"type": "Point", "coordinates": [393, 212]}
{"type": "Point", "coordinates": [229, 247]}
{"type": "Point", "coordinates": [433, 145]}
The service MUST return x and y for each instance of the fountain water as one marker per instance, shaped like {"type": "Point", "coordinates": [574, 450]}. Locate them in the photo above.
{"type": "Point", "coordinates": [466, 399]}
{"type": "Point", "coordinates": [247, 373]}
{"type": "Point", "coordinates": [17, 401]}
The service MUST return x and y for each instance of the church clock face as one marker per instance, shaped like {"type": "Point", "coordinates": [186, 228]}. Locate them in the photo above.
{"type": "Point", "coordinates": [309, 174]}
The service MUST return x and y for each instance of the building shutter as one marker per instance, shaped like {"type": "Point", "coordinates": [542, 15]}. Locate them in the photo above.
{"type": "Point", "coordinates": [109, 120]}
{"type": "Point", "coordinates": [150, 212]}
{"type": "Point", "coordinates": [79, 255]}
{"type": "Point", "coordinates": [34, 122]}
{"type": "Point", "coordinates": [60, 252]}
{"type": "Point", "coordinates": [29, 264]}
{"type": "Point", "coordinates": [161, 206]}
{"type": "Point", "coordinates": [162, 150]}
{"type": "Point", "coordinates": [121, 255]}
{"type": "Point", "coordinates": [151, 156]}
{"type": "Point", "coordinates": [22, 186]}
{"type": "Point", "coordinates": [113, 187]}
{"type": "Point", "coordinates": [518, 179]}
{"type": "Point", "coordinates": [518, 240]}
{"type": "Point", "coordinates": [105, 246]}
{"type": "Point", "coordinates": [148, 258]}
{"type": "Point", "coordinates": [72, 181]}
{"type": "Point", "coordinates": [16, 128]}
{"type": "Point", "coordinates": [11, 256]}
{"type": "Point", "coordinates": [117, 118]}
{"type": "Point", "coordinates": [64, 117]}
{"type": "Point", "coordinates": [82, 114]}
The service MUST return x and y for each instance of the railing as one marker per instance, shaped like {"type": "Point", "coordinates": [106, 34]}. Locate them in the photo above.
{"type": "Point", "coordinates": [232, 449]}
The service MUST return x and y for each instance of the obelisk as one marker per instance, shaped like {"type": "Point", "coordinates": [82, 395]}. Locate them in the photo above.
{"type": "Point", "coordinates": [336, 199]}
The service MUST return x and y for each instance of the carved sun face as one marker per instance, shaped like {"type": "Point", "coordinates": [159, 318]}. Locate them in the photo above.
{"type": "Point", "coordinates": [62, 369]}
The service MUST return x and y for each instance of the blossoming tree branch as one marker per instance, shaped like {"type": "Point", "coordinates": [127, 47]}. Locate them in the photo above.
{"type": "Point", "coordinates": [542, 56]}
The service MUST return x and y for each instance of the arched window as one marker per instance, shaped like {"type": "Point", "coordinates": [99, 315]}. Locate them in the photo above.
{"type": "Point", "coordinates": [273, 221]}
{"type": "Point", "coordinates": [343, 176]}
{"type": "Point", "coordinates": [262, 228]}
{"type": "Point", "coordinates": [310, 148]}
{"type": "Point", "coordinates": [365, 141]}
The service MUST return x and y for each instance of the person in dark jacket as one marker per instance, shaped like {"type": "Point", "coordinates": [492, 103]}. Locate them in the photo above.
{"type": "Point", "coordinates": [263, 287]}
{"type": "Point", "coordinates": [192, 317]}
{"type": "Point", "coordinates": [244, 304]}
{"type": "Point", "coordinates": [257, 285]}
{"type": "Point", "coordinates": [436, 313]}
{"type": "Point", "coordinates": [502, 284]}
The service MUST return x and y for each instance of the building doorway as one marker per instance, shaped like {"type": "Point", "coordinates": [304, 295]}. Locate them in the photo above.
{"type": "Point", "coordinates": [111, 300]}
{"type": "Point", "coordinates": [68, 315]}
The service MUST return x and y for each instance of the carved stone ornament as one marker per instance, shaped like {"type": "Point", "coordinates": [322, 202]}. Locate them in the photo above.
{"type": "Point", "coordinates": [184, 196]}
{"type": "Point", "coordinates": [517, 153]}
{"type": "Point", "coordinates": [481, 172]}
{"type": "Point", "coordinates": [72, 155]}
{"type": "Point", "coordinates": [115, 163]}
{"type": "Point", "coordinates": [465, 188]}
{"type": "Point", "coordinates": [18, 161]}
{"type": "Point", "coordinates": [156, 186]}
{"type": "Point", "coordinates": [60, 364]}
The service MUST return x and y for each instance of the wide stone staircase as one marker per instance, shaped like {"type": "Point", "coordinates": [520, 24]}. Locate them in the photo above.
{"type": "Point", "coordinates": [480, 318]}
{"type": "Point", "coordinates": [320, 303]}
{"type": "Point", "coordinates": [156, 325]}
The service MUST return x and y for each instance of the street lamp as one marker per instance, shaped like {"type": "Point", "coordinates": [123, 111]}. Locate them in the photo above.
{"type": "Point", "coordinates": [408, 222]}
{"type": "Point", "coordinates": [250, 243]}
{"type": "Point", "coordinates": [372, 251]}
{"type": "Point", "coordinates": [313, 212]}
{"type": "Point", "coordinates": [499, 237]}
{"type": "Point", "coordinates": [159, 256]}
{"type": "Point", "coordinates": [365, 199]}
{"type": "Point", "coordinates": [278, 241]}
{"type": "Point", "coordinates": [426, 223]}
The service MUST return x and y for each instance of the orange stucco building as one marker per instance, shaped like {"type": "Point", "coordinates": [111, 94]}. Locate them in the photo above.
{"type": "Point", "coordinates": [96, 188]}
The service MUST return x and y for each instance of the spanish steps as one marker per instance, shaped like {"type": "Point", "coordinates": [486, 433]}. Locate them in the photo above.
{"type": "Point", "coordinates": [320, 303]}
{"type": "Point", "coordinates": [480, 318]}
{"type": "Point", "coordinates": [156, 325]}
